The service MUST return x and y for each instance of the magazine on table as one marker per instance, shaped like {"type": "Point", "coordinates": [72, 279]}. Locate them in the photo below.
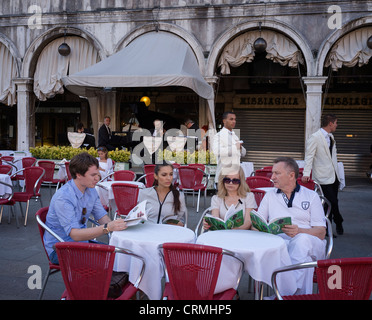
{"type": "Point", "coordinates": [233, 219]}
{"type": "Point", "coordinates": [274, 226]}
{"type": "Point", "coordinates": [137, 214]}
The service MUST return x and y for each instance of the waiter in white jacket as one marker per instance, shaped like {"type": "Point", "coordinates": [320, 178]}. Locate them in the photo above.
{"type": "Point", "coordinates": [227, 147]}
{"type": "Point", "coordinates": [321, 158]}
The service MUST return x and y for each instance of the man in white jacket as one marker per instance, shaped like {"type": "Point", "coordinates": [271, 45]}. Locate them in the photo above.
{"type": "Point", "coordinates": [227, 147]}
{"type": "Point", "coordinates": [321, 160]}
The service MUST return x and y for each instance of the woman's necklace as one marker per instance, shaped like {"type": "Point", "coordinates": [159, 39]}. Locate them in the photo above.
{"type": "Point", "coordinates": [239, 202]}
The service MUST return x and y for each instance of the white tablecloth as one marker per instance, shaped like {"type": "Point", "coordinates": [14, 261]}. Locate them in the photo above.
{"type": "Point", "coordinates": [144, 240]}
{"type": "Point", "coordinates": [4, 189]}
{"type": "Point", "coordinates": [261, 252]}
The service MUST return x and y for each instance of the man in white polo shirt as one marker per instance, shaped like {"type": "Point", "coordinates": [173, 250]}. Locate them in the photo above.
{"type": "Point", "coordinates": [305, 237]}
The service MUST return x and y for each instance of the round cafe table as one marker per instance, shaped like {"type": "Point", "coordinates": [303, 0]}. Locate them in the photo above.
{"type": "Point", "coordinates": [143, 240]}
{"type": "Point", "coordinates": [261, 252]}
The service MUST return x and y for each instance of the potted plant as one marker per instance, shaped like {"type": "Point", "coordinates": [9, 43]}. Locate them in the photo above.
{"type": "Point", "coordinates": [121, 158]}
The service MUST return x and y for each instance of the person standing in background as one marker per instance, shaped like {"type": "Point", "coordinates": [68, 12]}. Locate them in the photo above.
{"type": "Point", "coordinates": [227, 146]}
{"type": "Point", "coordinates": [104, 134]}
{"type": "Point", "coordinates": [321, 160]}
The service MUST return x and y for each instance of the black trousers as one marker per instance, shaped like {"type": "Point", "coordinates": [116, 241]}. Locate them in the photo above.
{"type": "Point", "coordinates": [331, 193]}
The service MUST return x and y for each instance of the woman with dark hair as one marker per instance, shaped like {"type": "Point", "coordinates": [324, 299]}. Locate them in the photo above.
{"type": "Point", "coordinates": [165, 204]}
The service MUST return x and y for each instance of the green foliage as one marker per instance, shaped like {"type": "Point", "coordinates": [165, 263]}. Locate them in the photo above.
{"type": "Point", "coordinates": [60, 153]}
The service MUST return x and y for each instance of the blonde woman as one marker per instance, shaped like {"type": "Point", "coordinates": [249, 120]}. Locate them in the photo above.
{"type": "Point", "coordinates": [233, 190]}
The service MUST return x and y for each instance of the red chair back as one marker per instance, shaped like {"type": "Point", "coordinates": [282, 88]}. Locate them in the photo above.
{"type": "Point", "coordinates": [355, 278]}
{"type": "Point", "coordinates": [28, 162]}
{"type": "Point", "coordinates": [5, 169]}
{"type": "Point", "coordinates": [42, 214]}
{"type": "Point", "coordinates": [124, 175]}
{"type": "Point", "coordinates": [7, 158]}
{"type": "Point", "coordinates": [33, 178]}
{"type": "Point", "coordinates": [149, 168]}
{"type": "Point", "coordinates": [197, 165]}
{"type": "Point", "coordinates": [126, 197]}
{"type": "Point", "coordinates": [189, 177]}
{"type": "Point", "coordinates": [310, 184]}
{"type": "Point", "coordinates": [86, 269]}
{"type": "Point", "coordinates": [263, 173]}
{"type": "Point", "coordinates": [192, 270]}
{"type": "Point", "coordinates": [67, 166]}
{"type": "Point", "coordinates": [149, 178]}
{"type": "Point", "coordinates": [258, 195]}
{"type": "Point", "coordinates": [259, 182]}
{"type": "Point", "coordinates": [49, 169]}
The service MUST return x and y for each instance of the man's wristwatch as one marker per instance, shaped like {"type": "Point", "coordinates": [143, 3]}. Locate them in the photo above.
{"type": "Point", "coordinates": [106, 229]}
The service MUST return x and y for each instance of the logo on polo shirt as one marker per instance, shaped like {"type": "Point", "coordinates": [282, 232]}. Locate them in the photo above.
{"type": "Point", "coordinates": [305, 205]}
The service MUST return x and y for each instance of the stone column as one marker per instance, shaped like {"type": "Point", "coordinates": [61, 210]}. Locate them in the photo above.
{"type": "Point", "coordinates": [25, 114]}
{"type": "Point", "coordinates": [205, 117]}
{"type": "Point", "coordinates": [313, 103]}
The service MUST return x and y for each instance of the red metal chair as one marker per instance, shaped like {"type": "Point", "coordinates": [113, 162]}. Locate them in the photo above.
{"type": "Point", "coordinates": [126, 197]}
{"type": "Point", "coordinates": [312, 185]}
{"type": "Point", "coordinates": [7, 158]}
{"type": "Point", "coordinates": [258, 195]}
{"type": "Point", "coordinates": [193, 271]}
{"type": "Point", "coordinates": [26, 162]}
{"type": "Point", "coordinates": [120, 175]}
{"type": "Point", "coordinates": [148, 179]}
{"type": "Point", "coordinates": [67, 166]}
{"type": "Point", "coordinates": [7, 200]}
{"type": "Point", "coordinates": [124, 175]}
{"type": "Point", "coordinates": [48, 178]}
{"type": "Point", "coordinates": [149, 168]}
{"type": "Point", "coordinates": [87, 270]}
{"type": "Point", "coordinates": [259, 182]}
{"type": "Point", "coordinates": [191, 180]}
{"type": "Point", "coordinates": [6, 169]}
{"type": "Point", "coordinates": [41, 215]}
{"type": "Point", "coordinates": [338, 279]}
{"type": "Point", "coordinates": [33, 178]}
{"type": "Point", "coordinates": [263, 173]}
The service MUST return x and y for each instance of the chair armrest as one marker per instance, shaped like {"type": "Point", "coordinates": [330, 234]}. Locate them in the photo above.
{"type": "Point", "coordinates": [130, 253]}
{"type": "Point", "coordinates": [46, 228]}
{"type": "Point", "coordinates": [298, 266]}
{"type": "Point", "coordinates": [200, 223]}
{"type": "Point", "coordinates": [101, 186]}
{"type": "Point", "coordinates": [104, 178]}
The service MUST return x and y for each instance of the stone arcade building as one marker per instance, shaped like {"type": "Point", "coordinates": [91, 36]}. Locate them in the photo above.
{"type": "Point", "coordinates": [314, 60]}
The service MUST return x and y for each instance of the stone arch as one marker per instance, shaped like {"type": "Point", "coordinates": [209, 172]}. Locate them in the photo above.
{"type": "Point", "coordinates": [36, 47]}
{"type": "Point", "coordinates": [13, 51]}
{"type": "Point", "coordinates": [328, 43]}
{"type": "Point", "coordinates": [194, 44]}
{"type": "Point", "coordinates": [274, 25]}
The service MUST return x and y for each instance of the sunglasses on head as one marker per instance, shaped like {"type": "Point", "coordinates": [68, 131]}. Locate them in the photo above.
{"type": "Point", "coordinates": [233, 181]}
{"type": "Point", "coordinates": [84, 219]}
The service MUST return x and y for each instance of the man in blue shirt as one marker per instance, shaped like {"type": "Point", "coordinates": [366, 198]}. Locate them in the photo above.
{"type": "Point", "coordinates": [72, 205]}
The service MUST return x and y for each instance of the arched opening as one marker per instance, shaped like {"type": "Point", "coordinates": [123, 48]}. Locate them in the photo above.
{"type": "Point", "coordinates": [266, 91]}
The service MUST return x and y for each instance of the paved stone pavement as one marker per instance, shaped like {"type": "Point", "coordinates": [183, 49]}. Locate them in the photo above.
{"type": "Point", "coordinates": [22, 248]}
